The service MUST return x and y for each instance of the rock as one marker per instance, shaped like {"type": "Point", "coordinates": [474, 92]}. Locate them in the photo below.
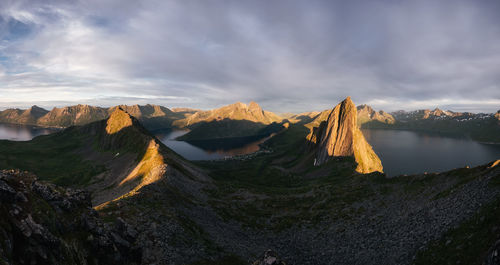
{"type": "Point", "coordinates": [7, 193]}
{"type": "Point", "coordinates": [20, 197]}
{"type": "Point", "coordinates": [43, 229]}
{"type": "Point", "coordinates": [339, 136]}
{"type": "Point", "coordinates": [270, 258]}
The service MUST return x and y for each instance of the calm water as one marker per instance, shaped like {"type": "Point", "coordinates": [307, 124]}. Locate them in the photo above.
{"type": "Point", "coordinates": [405, 152]}
{"type": "Point", "coordinates": [401, 152]}
{"type": "Point", "coordinates": [16, 132]}
{"type": "Point", "coordinates": [208, 150]}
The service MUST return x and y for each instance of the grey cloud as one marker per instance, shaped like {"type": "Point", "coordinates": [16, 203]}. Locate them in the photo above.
{"type": "Point", "coordinates": [287, 55]}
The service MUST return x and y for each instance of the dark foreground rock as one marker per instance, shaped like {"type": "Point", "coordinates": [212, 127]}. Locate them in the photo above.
{"type": "Point", "coordinates": [270, 258]}
{"type": "Point", "coordinates": [44, 224]}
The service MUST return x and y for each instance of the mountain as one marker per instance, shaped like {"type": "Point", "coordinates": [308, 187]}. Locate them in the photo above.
{"type": "Point", "coordinates": [366, 114]}
{"type": "Point", "coordinates": [484, 127]}
{"type": "Point", "coordinates": [231, 121]}
{"type": "Point", "coordinates": [304, 117]}
{"type": "Point", "coordinates": [186, 112]}
{"type": "Point", "coordinates": [423, 114]}
{"type": "Point", "coordinates": [237, 111]}
{"type": "Point", "coordinates": [153, 117]}
{"type": "Point", "coordinates": [340, 136]}
{"type": "Point", "coordinates": [72, 115]}
{"type": "Point", "coordinates": [111, 157]}
{"type": "Point", "coordinates": [28, 116]}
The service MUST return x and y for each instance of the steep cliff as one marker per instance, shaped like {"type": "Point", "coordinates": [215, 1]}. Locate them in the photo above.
{"type": "Point", "coordinates": [339, 135]}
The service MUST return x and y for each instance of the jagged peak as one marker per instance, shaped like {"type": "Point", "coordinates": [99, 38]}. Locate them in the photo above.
{"type": "Point", "coordinates": [365, 107]}
{"type": "Point", "coordinates": [238, 104]}
{"type": "Point", "coordinates": [254, 105]}
{"type": "Point", "coordinates": [118, 120]}
{"type": "Point", "coordinates": [339, 135]}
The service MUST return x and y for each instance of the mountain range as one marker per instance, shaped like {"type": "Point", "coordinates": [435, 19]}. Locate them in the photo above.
{"type": "Point", "coordinates": [241, 120]}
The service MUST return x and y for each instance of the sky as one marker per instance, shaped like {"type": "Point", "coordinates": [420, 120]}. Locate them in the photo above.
{"type": "Point", "coordinates": [289, 56]}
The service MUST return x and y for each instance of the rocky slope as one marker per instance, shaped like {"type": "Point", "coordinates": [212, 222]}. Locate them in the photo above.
{"type": "Point", "coordinates": [339, 136]}
{"type": "Point", "coordinates": [44, 224]}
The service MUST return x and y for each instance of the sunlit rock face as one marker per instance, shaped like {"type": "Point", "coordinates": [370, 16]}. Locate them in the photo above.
{"type": "Point", "coordinates": [340, 136]}
{"type": "Point", "coordinates": [118, 120]}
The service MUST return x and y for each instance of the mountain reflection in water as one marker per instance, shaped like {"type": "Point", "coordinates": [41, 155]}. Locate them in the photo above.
{"type": "Point", "coordinates": [210, 149]}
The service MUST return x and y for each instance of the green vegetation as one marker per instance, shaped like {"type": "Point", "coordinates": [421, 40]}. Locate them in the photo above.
{"type": "Point", "coordinates": [51, 157]}
{"type": "Point", "coordinates": [283, 189]}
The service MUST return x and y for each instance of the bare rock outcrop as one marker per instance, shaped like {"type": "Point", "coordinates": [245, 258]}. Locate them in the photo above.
{"type": "Point", "coordinates": [340, 136]}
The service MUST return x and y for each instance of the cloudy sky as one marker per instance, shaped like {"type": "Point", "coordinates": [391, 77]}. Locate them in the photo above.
{"type": "Point", "coordinates": [289, 56]}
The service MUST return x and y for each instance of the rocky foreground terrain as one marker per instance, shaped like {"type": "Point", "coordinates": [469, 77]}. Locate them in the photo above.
{"type": "Point", "coordinates": [45, 224]}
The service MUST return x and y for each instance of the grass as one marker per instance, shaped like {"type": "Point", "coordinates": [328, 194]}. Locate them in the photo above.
{"type": "Point", "coordinates": [51, 157]}
{"type": "Point", "coordinates": [282, 189]}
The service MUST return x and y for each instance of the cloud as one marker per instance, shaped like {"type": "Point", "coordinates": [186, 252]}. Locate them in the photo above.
{"type": "Point", "coordinates": [286, 55]}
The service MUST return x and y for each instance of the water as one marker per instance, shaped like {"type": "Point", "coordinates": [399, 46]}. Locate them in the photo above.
{"type": "Point", "coordinates": [209, 150]}
{"type": "Point", "coordinates": [406, 152]}
{"type": "Point", "coordinates": [401, 152]}
{"type": "Point", "coordinates": [16, 132]}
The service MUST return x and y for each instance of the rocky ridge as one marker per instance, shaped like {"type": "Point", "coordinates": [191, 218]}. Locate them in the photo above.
{"type": "Point", "coordinates": [339, 136]}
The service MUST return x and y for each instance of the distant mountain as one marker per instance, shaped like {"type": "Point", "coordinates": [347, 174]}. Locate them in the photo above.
{"type": "Point", "coordinates": [483, 127]}
{"type": "Point", "coordinates": [366, 114]}
{"type": "Point", "coordinates": [304, 117]}
{"type": "Point", "coordinates": [153, 117]}
{"type": "Point", "coordinates": [29, 116]}
{"type": "Point", "coordinates": [186, 112]}
{"type": "Point", "coordinates": [72, 115]}
{"type": "Point", "coordinates": [339, 136]}
{"type": "Point", "coordinates": [235, 120]}
{"type": "Point", "coordinates": [423, 114]}
{"type": "Point", "coordinates": [237, 111]}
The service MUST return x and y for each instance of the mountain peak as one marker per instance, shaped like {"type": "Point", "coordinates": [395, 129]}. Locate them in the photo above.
{"type": "Point", "coordinates": [339, 135]}
{"type": "Point", "coordinates": [118, 120]}
{"type": "Point", "coordinates": [254, 105]}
